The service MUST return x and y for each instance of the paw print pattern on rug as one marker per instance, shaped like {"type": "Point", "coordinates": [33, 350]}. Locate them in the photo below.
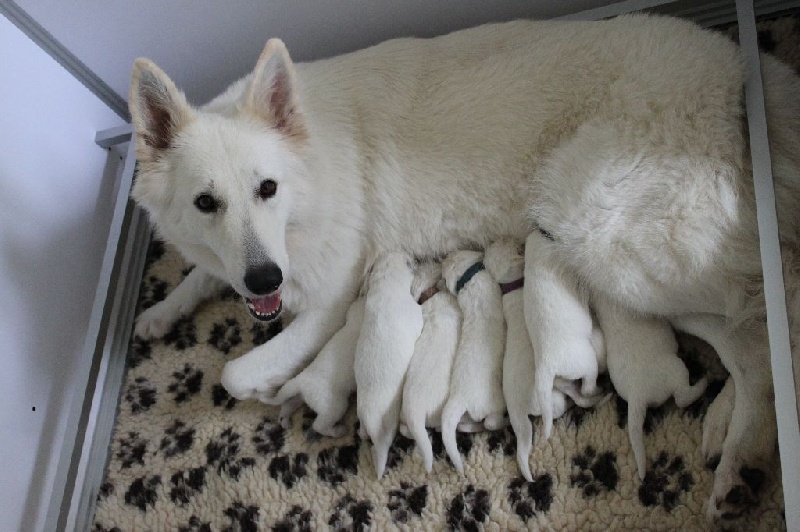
{"type": "Point", "coordinates": [221, 397]}
{"type": "Point", "coordinates": [177, 440]}
{"type": "Point", "coordinates": [140, 351]}
{"type": "Point", "coordinates": [222, 453]}
{"type": "Point", "coordinates": [469, 509]}
{"type": "Point", "coordinates": [100, 528]}
{"type": "Point", "coordinates": [183, 334]}
{"type": "Point", "coordinates": [185, 383]}
{"type": "Point", "coordinates": [269, 436]}
{"type": "Point", "coordinates": [262, 333]}
{"type": "Point", "coordinates": [526, 498]}
{"type": "Point", "coordinates": [288, 469]}
{"type": "Point", "coordinates": [407, 501]}
{"type": "Point", "coordinates": [297, 519]}
{"type": "Point", "coordinates": [463, 443]}
{"type": "Point", "coordinates": [105, 491]}
{"type": "Point", "coordinates": [243, 518]}
{"type": "Point", "coordinates": [503, 440]}
{"type": "Point", "coordinates": [143, 492]}
{"type": "Point", "coordinates": [140, 396]}
{"type": "Point", "coordinates": [594, 472]}
{"type": "Point", "coordinates": [153, 290]}
{"type": "Point", "coordinates": [131, 450]}
{"type": "Point", "coordinates": [186, 484]}
{"type": "Point", "coordinates": [155, 252]}
{"type": "Point", "coordinates": [334, 463]}
{"type": "Point", "coordinates": [225, 336]}
{"type": "Point", "coordinates": [401, 447]}
{"type": "Point", "coordinates": [665, 481]}
{"type": "Point", "coordinates": [195, 525]}
{"type": "Point", "coordinates": [350, 514]}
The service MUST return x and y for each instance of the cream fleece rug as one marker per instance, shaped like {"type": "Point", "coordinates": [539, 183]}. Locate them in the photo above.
{"type": "Point", "coordinates": [185, 456]}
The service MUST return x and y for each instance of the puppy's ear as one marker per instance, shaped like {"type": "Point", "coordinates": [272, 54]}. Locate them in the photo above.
{"type": "Point", "coordinates": [158, 109]}
{"type": "Point", "coordinates": [272, 96]}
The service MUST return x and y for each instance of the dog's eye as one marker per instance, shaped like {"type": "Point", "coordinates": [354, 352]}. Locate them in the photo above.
{"type": "Point", "coordinates": [267, 189]}
{"type": "Point", "coordinates": [206, 203]}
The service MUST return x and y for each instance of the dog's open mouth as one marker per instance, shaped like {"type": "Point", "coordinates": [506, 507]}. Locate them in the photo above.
{"type": "Point", "coordinates": [266, 308]}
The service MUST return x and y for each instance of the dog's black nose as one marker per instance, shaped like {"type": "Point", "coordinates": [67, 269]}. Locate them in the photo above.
{"type": "Point", "coordinates": [263, 279]}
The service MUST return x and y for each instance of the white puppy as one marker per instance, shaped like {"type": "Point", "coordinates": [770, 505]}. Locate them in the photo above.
{"type": "Point", "coordinates": [476, 386]}
{"type": "Point", "coordinates": [644, 367]}
{"type": "Point", "coordinates": [566, 343]}
{"type": "Point", "coordinates": [506, 264]}
{"type": "Point", "coordinates": [428, 378]}
{"type": "Point", "coordinates": [326, 384]}
{"type": "Point", "coordinates": [392, 324]}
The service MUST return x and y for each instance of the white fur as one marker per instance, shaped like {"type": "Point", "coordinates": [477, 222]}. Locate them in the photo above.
{"type": "Point", "coordinates": [645, 369]}
{"type": "Point", "coordinates": [428, 378]}
{"type": "Point", "coordinates": [326, 384]}
{"type": "Point", "coordinates": [476, 385]}
{"type": "Point", "coordinates": [623, 138]}
{"type": "Point", "coordinates": [392, 324]}
{"type": "Point", "coordinates": [565, 340]}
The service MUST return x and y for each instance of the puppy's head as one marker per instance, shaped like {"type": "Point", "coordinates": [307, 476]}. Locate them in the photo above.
{"type": "Point", "coordinates": [427, 274]}
{"type": "Point", "coordinates": [504, 260]}
{"type": "Point", "coordinates": [455, 264]}
{"type": "Point", "coordinates": [391, 270]}
{"type": "Point", "coordinates": [223, 186]}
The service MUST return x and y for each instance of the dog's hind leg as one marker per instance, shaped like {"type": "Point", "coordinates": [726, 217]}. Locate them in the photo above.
{"type": "Point", "coordinates": [195, 288]}
{"type": "Point", "coordinates": [637, 411]}
{"type": "Point", "coordinates": [543, 391]}
{"type": "Point", "coordinates": [749, 445]}
{"type": "Point", "coordinates": [715, 424]}
{"type": "Point", "coordinates": [329, 415]}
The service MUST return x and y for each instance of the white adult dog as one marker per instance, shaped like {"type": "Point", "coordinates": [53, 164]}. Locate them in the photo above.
{"type": "Point", "coordinates": [623, 139]}
{"type": "Point", "coordinates": [390, 329]}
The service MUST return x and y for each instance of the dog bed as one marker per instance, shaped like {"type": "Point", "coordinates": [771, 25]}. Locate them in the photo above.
{"type": "Point", "coordinates": [186, 456]}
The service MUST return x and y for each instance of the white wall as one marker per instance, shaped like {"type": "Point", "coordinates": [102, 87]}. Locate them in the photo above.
{"type": "Point", "coordinates": [54, 214]}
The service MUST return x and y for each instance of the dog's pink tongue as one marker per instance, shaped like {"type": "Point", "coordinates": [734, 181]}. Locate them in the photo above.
{"type": "Point", "coordinates": [267, 304]}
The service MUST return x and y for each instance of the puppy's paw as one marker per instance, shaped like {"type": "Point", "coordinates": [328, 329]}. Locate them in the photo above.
{"type": "Point", "coordinates": [244, 381]}
{"type": "Point", "coordinates": [156, 321]}
{"type": "Point", "coordinates": [336, 430]}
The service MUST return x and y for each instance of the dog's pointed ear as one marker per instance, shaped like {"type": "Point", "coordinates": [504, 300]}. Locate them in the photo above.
{"type": "Point", "coordinates": [272, 95]}
{"type": "Point", "coordinates": [158, 109]}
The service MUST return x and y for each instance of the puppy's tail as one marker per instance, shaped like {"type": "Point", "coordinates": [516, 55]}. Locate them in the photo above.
{"type": "Point", "coordinates": [543, 391]}
{"type": "Point", "coordinates": [416, 427]}
{"type": "Point", "coordinates": [636, 414]}
{"type": "Point", "coordinates": [450, 415]}
{"type": "Point", "coordinates": [523, 428]}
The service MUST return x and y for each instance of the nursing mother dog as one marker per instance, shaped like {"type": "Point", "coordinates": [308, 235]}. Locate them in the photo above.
{"type": "Point", "coordinates": [623, 139]}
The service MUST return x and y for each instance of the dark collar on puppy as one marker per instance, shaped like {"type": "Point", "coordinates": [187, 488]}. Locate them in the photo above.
{"type": "Point", "coordinates": [427, 294]}
{"type": "Point", "coordinates": [513, 285]}
{"type": "Point", "coordinates": [468, 275]}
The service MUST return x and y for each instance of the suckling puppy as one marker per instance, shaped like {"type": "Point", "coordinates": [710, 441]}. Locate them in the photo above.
{"type": "Point", "coordinates": [392, 324]}
{"type": "Point", "coordinates": [506, 264]}
{"type": "Point", "coordinates": [566, 344]}
{"type": "Point", "coordinates": [326, 384]}
{"type": "Point", "coordinates": [476, 386]}
{"type": "Point", "coordinates": [644, 367]}
{"type": "Point", "coordinates": [428, 378]}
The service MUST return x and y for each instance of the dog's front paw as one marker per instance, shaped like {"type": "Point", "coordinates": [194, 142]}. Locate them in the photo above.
{"type": "Point", "coordinates": [248, 378]}
{"type": "Point", "coordinates": [715, 424]}
{"type": "Point", "coordinates": [734, 492]}
{"type": "Point", "coordinates": [156, 321]}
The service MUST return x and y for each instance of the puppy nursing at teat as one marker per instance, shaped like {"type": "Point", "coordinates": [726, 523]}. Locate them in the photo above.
{"type": "Point", "coordinates": [566, 343]}
{"type": "Point", "coordinates": [644, 367]}
{"type": "Point", "coordinates": [392, 323]}
{"type": "Point", "coordinates": [428, 379]}
{"type": "Point", "coordinates": [476, 385]}
{"type": "Point", "coordinates": [327, 383]}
